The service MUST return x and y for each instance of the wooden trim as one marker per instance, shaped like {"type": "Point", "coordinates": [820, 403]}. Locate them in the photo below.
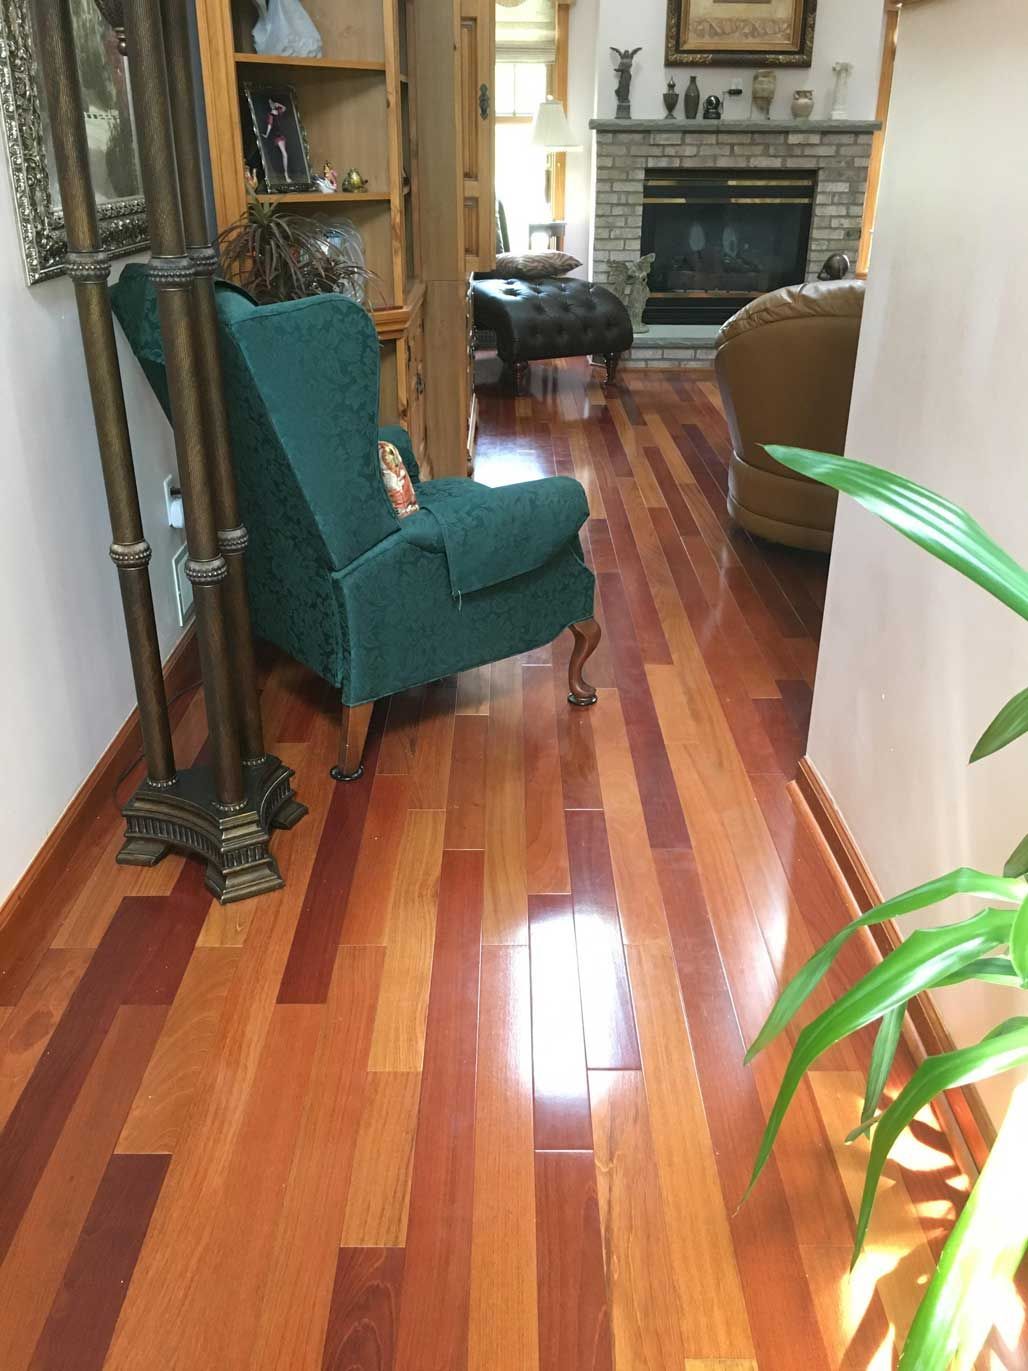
{"type": "Point", "coordinates": [874, 171]}
{"type": "Point", "coordinates": [926, 1033]}
{"type": "Point", "coordinates": [560, 90]}
{"type": "Point", "coordinates": [46, 868]}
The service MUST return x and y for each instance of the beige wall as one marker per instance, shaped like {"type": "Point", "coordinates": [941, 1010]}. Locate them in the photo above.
{"type": "Point", "coordinates": [914, 661]}
{"type": "Point", "coordinates": [65, 682]}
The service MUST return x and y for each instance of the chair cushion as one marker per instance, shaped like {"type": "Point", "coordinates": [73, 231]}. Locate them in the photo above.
{"type": "Point", "coordinates": [492, 535]}
{"type": "Point", "coordinates": [556, 317]}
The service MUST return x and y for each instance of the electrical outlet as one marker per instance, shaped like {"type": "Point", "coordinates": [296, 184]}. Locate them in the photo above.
{"type": "Point", "coordinates": [173, 503]}
{"type": "Point", "coordinates": [183, 586]}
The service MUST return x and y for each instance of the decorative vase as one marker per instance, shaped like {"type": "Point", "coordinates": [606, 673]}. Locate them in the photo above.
{"type": "Point", "coordinates": [285, 29]}
{"type": "Point", "coordinates": [671, 98]}
{"type": "Point", "coordinates": [802, 104]}
{"type": "Point", "coordinates": [691, 104]}
{"type": "Point", "coordinates": [765, 83]}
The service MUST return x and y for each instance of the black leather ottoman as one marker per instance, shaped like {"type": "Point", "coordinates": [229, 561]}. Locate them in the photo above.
{"type": "Point", "coordinates": [557, 316]}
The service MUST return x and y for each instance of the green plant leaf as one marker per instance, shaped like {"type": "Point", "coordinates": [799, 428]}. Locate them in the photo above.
{"type": "Point", "coordinates": [1001, 1050]}
{"type": "Point", "coordinates": [921, 961]}
{"type": "Point", "coordinates": [964, 881]}
{"type": "Point", "coordinates": [1019, 943]}
{"type": "Point", "coordinates": [1017, 862]}
{"type": "Point", "coordinates": [882, 1058]}
{"type": "Point", "coordinates": [997, 970]}
{"type": "Point", "coordinates": [934, 523]}
{"type": "Point", "coordinates": [1010, 723]}
{"type": "Point", "coordinates": [980, 1258]}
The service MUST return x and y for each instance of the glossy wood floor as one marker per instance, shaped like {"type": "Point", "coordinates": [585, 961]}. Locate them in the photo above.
{"type": "Point", "coordinates": [468, 1094]}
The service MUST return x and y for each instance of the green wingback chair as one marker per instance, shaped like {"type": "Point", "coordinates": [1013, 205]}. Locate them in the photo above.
{"type": "Point", "coordinates": [371, 602]}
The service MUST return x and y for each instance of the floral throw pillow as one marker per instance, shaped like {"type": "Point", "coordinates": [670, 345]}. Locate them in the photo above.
{"type": "Point", "coordinates": [397, 481]}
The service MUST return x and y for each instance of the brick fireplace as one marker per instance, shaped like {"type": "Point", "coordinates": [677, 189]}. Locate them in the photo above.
{"type": "Point", "coordinates": [631, 154]}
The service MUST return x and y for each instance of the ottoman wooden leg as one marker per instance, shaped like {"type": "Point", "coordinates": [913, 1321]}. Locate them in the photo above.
{"type": "Point", "coordinates": [612, 359]}
{"type": "Point", "coordinates": [587, 637]}
{"type": "Point", "coordinates": [519, 371]}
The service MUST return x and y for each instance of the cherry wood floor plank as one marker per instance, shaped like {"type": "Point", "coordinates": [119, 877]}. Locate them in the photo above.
{"type": "Point", "coordinates": [311, 957]}
{"type": "Point", "coordinates": [610, 1038]}
{"type": "Point", "coordinates": [78, 1329]}
{"type": "Point", "coordinates": [546, 851]}
{"type": "Point", "coordinates": [365, 1309]}
{"type": "Point", "coordinates": [640, 903]}
{"type": "Point", "coordinates": [711, 1301]}
{"type": "Point", "coordinates": [601, 546]}
{"type": "Point", "coordinates": [648, 630]}
{"type": "Point", "coordinates": [430, 773]}
{"type": "Point", "coordinates": [290, 1334]}
{"type": "Point", "coordinates": [559, 1076]}
{"type": "Point", "coordinates": [42, 1247]}
{"type": "Point", "coordinates": [646, 1324]}
{"type": "Point", "coordinates": [465, 814]}
{"type": "Point", "coordinates": [473, 691]}
{"type": "Point", "coordinates": [505, 915]}
{"type": "Point", "coordinates": [379, 1196]}
{"type": "Point", "coordinates": [28, 1025]}
{"type": "Point", "coordinates": [400, 735]}
{"type": "Point", "coordinates": [664, 821]}
{"type": "Point", "coordinates": [141, 931]}
{"type": "Point", "coordinates": [503, 1313]}
{"type": "Point", "coordinates": [432, 1333]}
{"type": "Point", "coordinates": [165, 1096]}
{"type": "Point", "coordinates": [574, 1321]}
{"type": "Point", "coordinates": [378, 861]}
{"type": "Point", "coordinates": [781, 1310]}
{"type": "Point", "coordinates": [398, 1042]}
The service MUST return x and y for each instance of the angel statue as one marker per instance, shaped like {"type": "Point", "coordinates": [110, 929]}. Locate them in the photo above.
{"type": "Point", "coordinates": [622, 90]}
{"type": "Point", "coordinates": [629, 281]}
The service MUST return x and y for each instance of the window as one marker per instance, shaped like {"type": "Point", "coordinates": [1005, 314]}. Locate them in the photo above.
{"type": "Point", "coordinates": [520, 89]}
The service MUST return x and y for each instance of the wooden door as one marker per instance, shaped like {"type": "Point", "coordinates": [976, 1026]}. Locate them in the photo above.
{"type": "Point", "coordinates": [477, 61]}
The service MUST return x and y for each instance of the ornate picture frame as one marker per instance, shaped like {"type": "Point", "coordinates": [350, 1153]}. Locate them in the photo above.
{"type": "Point", "coordinates": [740, 33]}
{"type": "Point", "coordinates": [275, 143]}
{"type": "Point", "coordinates": [122, 217]}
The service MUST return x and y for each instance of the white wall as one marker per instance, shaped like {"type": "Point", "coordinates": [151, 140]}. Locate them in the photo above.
{"type": "Point", "coordinates": [915, 661]}
{"type": "Point", "coordinates": [580, 109]}
{"type": "Point", "coordinates": [846, 30]}
{"type": "Point", "coordinates": [66, 685]}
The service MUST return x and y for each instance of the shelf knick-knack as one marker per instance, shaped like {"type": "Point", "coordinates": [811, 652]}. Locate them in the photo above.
{"type": "Point", "coordinates": [285, 29]}
{"type": "Point", "coordinates": [623, 89]}
{"type": "Point", "coordinates": [691, 105]}
{"type": "Point", "coordinates": [671, 98]}
{"type": "Point", "coordinates": [712, 107]}
{"type": "Point", "coordinates": [802, 104]}
{"type": "Point", "coordinates": [765, 83]}
{"type": "Point", "coordinates": [843, 72]}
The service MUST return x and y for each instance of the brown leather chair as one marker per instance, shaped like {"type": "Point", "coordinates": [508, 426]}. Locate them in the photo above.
{"type": "Point", "coordinates": [785, 367]}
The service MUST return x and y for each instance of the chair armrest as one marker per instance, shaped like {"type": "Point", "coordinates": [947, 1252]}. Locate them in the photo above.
{"type": "Point", "coordinates": [400, 439]}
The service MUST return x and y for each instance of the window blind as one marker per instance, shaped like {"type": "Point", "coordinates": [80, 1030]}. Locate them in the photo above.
{"type": "Point", "coordinates": [526, 31]}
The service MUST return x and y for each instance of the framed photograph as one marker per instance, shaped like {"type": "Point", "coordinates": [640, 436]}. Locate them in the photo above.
{"type": "Point", "coordinates": [732, 33]}
{"type": "Point", "coordinates": [276, 147]}
{"type": "Point", "coordinates": [117, 184]}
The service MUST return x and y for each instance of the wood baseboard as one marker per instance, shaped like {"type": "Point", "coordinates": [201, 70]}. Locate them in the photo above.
{"type": "Point", "coordinates": [929, 1035]}
{"type": "Point", "coordinates": [181, 669]}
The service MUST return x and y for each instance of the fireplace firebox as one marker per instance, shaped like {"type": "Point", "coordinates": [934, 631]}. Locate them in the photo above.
{"type": "Point", "coordinates": [720, 239]}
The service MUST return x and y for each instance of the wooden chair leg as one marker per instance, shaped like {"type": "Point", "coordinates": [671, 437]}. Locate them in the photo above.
{"type": "Point", "coordinates": [612, 359]}
{"type": "Point", "coordinates": [587, 638]}
{"type": "Point", "coordinates": [353, 734]}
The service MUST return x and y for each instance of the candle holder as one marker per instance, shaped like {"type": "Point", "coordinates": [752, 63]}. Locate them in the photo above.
{"type": "Point", "coordinates": [223, 813]}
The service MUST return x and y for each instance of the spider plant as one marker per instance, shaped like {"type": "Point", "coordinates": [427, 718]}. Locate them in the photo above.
{"type": "Point", "coordinates": [987, 1243]}
{"type": "Point", "coordinates": [277, 256]}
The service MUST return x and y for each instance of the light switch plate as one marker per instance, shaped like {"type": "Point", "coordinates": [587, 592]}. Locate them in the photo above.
{"type": "Point", "coordinates": [183, 586]}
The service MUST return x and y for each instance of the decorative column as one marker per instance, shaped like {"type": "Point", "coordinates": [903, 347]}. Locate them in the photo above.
{"type": "Point", "coordinates": [223, 813]}
{"type": "Point", "coordinates": [89, 267]}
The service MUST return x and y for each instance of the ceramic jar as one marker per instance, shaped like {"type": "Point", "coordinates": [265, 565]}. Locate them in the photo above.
{"type": "Point", "coordinates": [802, 104]}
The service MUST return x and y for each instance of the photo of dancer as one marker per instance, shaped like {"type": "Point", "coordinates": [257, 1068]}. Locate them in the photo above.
{"type": "Point", "coordinates": [277, 138]}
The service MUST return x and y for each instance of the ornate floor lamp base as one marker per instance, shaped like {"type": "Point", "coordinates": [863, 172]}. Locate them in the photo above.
{"type": "Point", "coordinates": [234, 843]}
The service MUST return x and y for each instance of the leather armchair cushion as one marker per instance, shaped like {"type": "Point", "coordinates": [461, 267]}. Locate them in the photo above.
{"type": "Point", "coordinates": [554, 317]}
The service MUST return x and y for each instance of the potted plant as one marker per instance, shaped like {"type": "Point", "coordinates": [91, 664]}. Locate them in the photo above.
{"type": "Point", "coordinates": [990, 1237]}
{"type": "Point", "coordinates": [277, 255]}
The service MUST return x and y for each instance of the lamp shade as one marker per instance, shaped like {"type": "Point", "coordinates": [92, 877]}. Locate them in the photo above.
{"type": "Point", "coordinates": [551, 129]}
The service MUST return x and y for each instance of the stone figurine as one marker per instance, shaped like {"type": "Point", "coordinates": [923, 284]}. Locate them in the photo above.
{"type": "Point", "coordinates": [765, 82]}
{"type": "Point", "coordinates": [671, 98]}
{"type": "Point", "coordinates": [843, 72]}
{"type": "Point", "coordinates": [623, 89]}
{"type": "Point", "coordinates": [802, 104]}
{"type": "Point", "coordinates": [629, 281]}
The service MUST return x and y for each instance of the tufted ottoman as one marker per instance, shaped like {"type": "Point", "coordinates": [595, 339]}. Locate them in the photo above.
{"type": "Point", "coordinates": [556, 316]}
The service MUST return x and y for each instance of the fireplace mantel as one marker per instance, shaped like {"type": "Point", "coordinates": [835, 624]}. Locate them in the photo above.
{"type": "Point", "coordinates": [692, 127]}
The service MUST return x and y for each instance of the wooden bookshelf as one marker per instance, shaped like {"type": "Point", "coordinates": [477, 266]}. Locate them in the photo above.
{"type": "Point", "coordinates": [359, 108]}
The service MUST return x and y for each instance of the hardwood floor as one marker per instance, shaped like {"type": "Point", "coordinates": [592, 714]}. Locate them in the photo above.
{"type": "Point", "coordinates": [468, 1094]}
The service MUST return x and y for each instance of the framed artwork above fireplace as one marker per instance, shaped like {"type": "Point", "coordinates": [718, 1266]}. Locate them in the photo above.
{"type": "Point", "coordinates": [734, 33]}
